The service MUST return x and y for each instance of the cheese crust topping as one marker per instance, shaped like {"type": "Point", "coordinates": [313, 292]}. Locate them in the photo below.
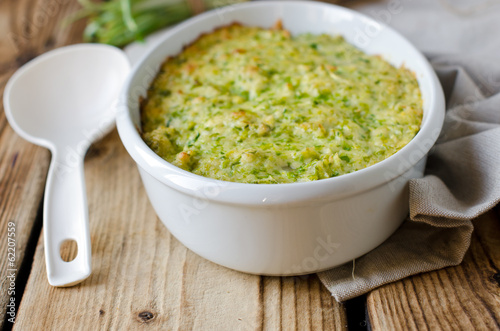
{"type": "Point", "coordinates": [253, 105]}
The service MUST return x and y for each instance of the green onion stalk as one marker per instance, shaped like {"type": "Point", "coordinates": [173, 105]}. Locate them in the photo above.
{"type": "Point", "coordinates": [120, 22]}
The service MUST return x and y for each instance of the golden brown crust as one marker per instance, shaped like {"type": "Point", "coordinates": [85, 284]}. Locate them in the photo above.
{"type": "Point", "coordinates": [278, 25]}
{"type": "Point", "coordinates": [143, 100]}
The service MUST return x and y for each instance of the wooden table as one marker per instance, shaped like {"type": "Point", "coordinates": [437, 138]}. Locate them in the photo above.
{"type": "Point", "coordinates": [143, 278]}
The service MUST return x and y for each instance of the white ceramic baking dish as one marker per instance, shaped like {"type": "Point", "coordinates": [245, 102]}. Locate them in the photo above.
{"type": "Point", "coordinates": [284, 229]}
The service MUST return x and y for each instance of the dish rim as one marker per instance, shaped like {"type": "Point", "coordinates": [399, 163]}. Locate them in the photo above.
{"type": "Point", "coordinates": [232, 192]}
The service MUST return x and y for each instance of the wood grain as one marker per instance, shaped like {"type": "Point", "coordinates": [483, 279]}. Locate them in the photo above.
{"type": "Point", "coordinates": [28, 29]}
{"type": "Point", "coordinates": [464, 297]}
{"type": "Point", "coordinates": [143, 278]}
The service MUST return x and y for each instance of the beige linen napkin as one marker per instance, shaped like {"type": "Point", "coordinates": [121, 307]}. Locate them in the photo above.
{"type": "Point", "coordinates": [462, 177]}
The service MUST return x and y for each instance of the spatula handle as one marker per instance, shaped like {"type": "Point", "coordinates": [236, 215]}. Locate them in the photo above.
{"type": "Point", "coordinates": [65, 217]}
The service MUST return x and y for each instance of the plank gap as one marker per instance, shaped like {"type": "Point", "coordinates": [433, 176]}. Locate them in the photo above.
{"type": "Point", "coordinates": [356, 314]}
{"type": "Point", "coordinates": [26, 264]}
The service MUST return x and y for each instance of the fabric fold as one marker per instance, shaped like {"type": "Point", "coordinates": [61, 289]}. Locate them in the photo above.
{"type": "Point", "coordinates": [462, 179]}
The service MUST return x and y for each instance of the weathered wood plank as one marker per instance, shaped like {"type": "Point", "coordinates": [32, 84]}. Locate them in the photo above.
{"type": "Point", "coordinates": [464, 297]}
{"type": "Point", "coordinates": [286, 298]}
{"type": "Point", "coordinates": [143, 278]}
{"type": "Point", "coordinates": [28, 28]}
{"type": "Point", "coordinates": [23, 168]}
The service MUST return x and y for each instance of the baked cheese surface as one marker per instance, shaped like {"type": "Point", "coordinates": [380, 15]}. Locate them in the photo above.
{"type": "Point", "coordinates": [252, 105]}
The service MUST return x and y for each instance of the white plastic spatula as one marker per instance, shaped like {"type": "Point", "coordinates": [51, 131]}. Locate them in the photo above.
{"type": "Point", "coordinates": [64, 100]}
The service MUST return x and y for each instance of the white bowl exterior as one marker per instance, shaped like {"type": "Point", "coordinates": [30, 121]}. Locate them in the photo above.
{"type": "Point", "coordinates": [281, 229]}
{"type": "Point", "coordinates": [287, 239]}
